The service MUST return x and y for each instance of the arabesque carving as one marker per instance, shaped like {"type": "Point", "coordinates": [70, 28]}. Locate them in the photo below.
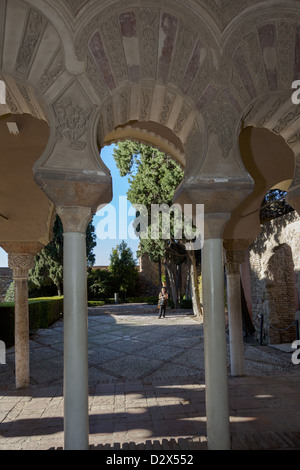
{"type": "Point", "coordinates": [72, 122]}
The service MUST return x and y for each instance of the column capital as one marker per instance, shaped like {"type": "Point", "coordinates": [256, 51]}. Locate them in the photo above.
{"type": "Point", "coordinates": [233, 260]}
{"type": "Point", "coordinates": [75, 219]}
{"type": "Point", "coordinates": [20, 264]}
{"type": "Point", "coordinates": [220, 197]}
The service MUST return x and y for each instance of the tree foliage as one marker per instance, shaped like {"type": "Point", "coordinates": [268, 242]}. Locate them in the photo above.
{"type": "Point", "coordinates": [100, 285]}
{"type": "Point", "coordinates": [153, 179]}
{"type": "Point", "coordinates": [274, 205]}
{"type": "Point", "coordinates": [123, 270]}
{"type": "Point", "coordinates": [48, 268]}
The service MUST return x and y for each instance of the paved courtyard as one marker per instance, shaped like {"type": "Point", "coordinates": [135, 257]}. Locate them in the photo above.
{"type": "Point", "coordinates": [147, 388]}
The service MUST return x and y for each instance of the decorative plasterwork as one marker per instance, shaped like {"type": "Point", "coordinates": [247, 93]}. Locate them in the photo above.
{"type": "Point", "coordinates": [221, 119]}
{"type": "Point", "coordinates": [21, 99]}
{"type": "Point", "coordinates": [233, 262]}
{"type": "Point", "coordinates": [33, 33]}
{"type": "Point", "coordinates": [158, 61]}
{"type": "Point", "coordinates": [71, 122]}
{"type": "Point", "coordinates": [20, 264]}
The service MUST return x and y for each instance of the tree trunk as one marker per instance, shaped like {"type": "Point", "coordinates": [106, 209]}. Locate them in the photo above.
{"type": "Point", "coordinates": [178, 281]}
{"type": "Point", "coordinates": [188, 283]}
{"type": "Point", "coordinates": [159, 274]}
{"type": "Point", "coordinates": [197, 309]}
{"type": "Point", "coordinates": [172, 284]}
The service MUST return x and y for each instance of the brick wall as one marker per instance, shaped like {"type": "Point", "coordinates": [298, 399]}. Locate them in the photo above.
{"type": "Point", "coordinates": [5, 281]}
{"type": "Point", "coordinates": [275, 278]}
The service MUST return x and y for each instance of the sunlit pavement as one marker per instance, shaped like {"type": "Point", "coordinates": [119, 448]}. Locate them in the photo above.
{"type": "Point", "coordinates": [147, 388]}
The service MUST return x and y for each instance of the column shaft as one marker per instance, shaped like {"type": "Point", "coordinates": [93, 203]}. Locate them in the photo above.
{"type": "Point", "coordinates": [22, 334]}
{"type": "Point", "coordinates": [217, 407]}
{"type": "Point", "coordinates": [235, 324]}
{"type": "Point", "coordinates": [234, 259]}
{"type": "Point", "coordinates": [21, 263]}
{"type": "Point", "coordinates": [75, 343]}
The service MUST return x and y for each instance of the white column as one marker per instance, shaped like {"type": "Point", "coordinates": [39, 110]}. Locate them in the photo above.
{"type": "Point", "coordinates": [76, 386]}
{"type": "Point", "coordinates": [216, 377]}
{"type": "Point", "coordinates": [233, 261]}
{"type": "Point", "coordinates": [21, 264]}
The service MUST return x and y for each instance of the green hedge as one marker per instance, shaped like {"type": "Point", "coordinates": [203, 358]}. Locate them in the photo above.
{"type": "Point", "coordinates": [186, 304]}
{"type": "Point", "coordinates": [42, 314]}
{"type": "Point", "coordinates": [96, 303]}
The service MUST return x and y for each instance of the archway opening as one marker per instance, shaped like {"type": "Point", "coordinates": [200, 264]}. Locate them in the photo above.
{"type": "Point", "coordinates": [270, 162]}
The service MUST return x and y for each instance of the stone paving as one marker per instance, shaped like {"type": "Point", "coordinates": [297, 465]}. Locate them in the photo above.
{"type": "Point", "coordinates": [147, 388]}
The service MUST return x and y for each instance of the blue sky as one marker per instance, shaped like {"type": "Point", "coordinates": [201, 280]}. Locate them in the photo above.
{"type": "Point", "coordinates": [104, 247]}
{"type": "Point", "coordinates": [120, 188]}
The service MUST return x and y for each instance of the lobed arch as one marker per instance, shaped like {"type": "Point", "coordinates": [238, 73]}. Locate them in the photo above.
{"type": "Point", "coordinates": [151, 134]}
{"type": "Point", "coordinates": [271, 163]}
{"type": "Point", "coordinates": [148, 64]}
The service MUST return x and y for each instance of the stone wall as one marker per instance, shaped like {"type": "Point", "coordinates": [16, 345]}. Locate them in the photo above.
{"type": "Point", "coordinates": [5, 281]}
{"type": "Point", "coordinates": [275, 278]}
{"type": "Point", "coordinates": [149, 277]}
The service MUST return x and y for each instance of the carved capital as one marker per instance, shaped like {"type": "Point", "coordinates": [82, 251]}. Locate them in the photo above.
{"type": "Point", "coordinates": [20, 264]}
{"type": "Point", "coordinates": [233, 260]}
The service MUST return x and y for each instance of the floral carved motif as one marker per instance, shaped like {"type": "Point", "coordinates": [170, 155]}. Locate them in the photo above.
{"type": "Point", "coordinates": [72, 122]}
{"type": "Point", "coordinates": [221, 118]}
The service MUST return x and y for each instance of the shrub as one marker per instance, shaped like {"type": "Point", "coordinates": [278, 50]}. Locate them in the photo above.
{"type": "Point", "coordinates": [186, 304]}
{"type": "Point", "coordinates": [142, 300]}
{"type": "Point", "coordinates": [42, 314]}
{"type": "Point", "coordinates": [96, 303]}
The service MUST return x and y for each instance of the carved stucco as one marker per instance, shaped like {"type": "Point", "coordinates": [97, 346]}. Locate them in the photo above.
{"type": "Point", "coordinates": [202, 69]}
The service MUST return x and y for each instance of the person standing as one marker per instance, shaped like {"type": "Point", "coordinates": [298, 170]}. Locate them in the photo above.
{"type": "Point", "coordinates": [163, 302]}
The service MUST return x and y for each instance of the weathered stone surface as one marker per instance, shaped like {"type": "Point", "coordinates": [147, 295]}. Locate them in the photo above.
{"type": "Point", "coordinates": [274, 258]}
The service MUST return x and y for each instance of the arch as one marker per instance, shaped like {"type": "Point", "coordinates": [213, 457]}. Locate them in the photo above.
{"type": "Point", "coordinates": [27, 214]}
{"type": "Point", "coordinates": [152, 134]}
{"type": "Point", "coordinates": [149, 64]}
{"type": "Point", "coordinates": [259, 65]}
{"type": "Point", "coordinates": [269, 160]}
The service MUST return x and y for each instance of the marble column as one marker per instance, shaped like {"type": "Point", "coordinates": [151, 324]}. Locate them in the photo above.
{"type": "Point", "coordinates": [21, 264]}
{"type": "Point", "coordinates": [215, 349]}
{"type": "Point", "coordinates": [76, 391]}
{"type": "Point", "coordinates": [234, 259]}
